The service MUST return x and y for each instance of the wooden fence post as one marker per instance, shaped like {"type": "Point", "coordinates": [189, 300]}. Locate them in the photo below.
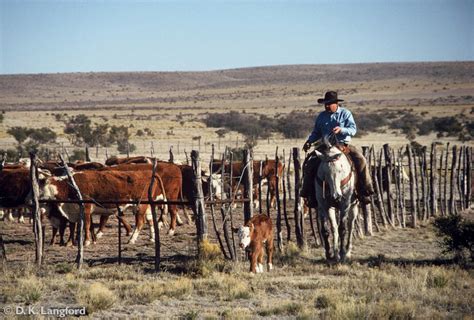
{"type": "Point", "coordinates": [288, 177]}
{"type": "Point", "coordinates": [460, 177]}
{"type": "Point", "coordinates": [468, 175]}
{"type": "Point", "coordinates": [80, 227]}
{"type": "Point", "coordinates": [247, 164]}
{"type": "Point", "coordinates": [298, 203]}
{"type": "Point", "coordinates": [155, 218]}
{"type": "Point", "coordinates": [424, 184]}
{"type": "Point", "coordinates": [378, 193]}
{"type": "Point", "coordinates": [88, 158]}
{"type": "Point", "coordinates": [3, 253]}
{"type": "Point", "coordinates": [285, 213]}
{"type": "Point", "coordinates": [452, 183]}
{"type": "Point", "coordinates": [277, 193]}
{"type": "Point", "coordinates": [445, 199]}
{"type": "Point", "coordinates": [260, 209]}
{"type": "Point", "coordinates": [401, 186]}
{"type": "Point", "coordinates": [211, 198]}
{"type": "Point", "coordinates": [231, 197]}
{"type": "Point", "coordinates": [433, 181]}
{"type": "Point", "coordinates": [38, 231]}
{"type": "Point", "coordinates": [388, 166]}
{"type": "Point", "coordinates": [198, 200]}
{"type": "Point", "coordinates": [171, 159]}
{"type": "Point", "coordinates": [365, 207]}
{"type": "Point", "coordinates": [119, 226]}
{"type": "Point", "coordinates": [417, 191]}
{"type": "Point", "coordinates": [412, 186]}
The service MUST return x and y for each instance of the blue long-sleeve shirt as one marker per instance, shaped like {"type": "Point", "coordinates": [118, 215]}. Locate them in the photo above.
{"type": "Point", "coordinates": [326, 121]}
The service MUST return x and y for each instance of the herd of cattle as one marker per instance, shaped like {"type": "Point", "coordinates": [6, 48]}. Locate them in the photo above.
{"type": "Point", "coordinates": [119, 179]}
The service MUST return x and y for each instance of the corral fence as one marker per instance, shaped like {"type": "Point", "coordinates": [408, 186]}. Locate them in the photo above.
{"type": "Point", "coordinates": [412, 184]}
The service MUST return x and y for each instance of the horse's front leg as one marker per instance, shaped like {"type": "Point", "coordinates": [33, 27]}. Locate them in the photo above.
{"type": "Point", "coordinates": [342, 233]}
{"type": "Point", "coordinates": [324, 232]}
{"type": "Point", "coordinates": [353, 213]}
{"type": "Point", "coordinates": [335, 231]}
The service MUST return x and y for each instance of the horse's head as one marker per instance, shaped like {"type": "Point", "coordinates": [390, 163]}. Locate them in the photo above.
{"type": "Point", "coordinates": [334, 169]}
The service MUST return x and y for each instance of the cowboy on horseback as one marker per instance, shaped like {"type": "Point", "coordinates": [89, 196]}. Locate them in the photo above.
{"type": "Point", "coordinates": [338, 121]}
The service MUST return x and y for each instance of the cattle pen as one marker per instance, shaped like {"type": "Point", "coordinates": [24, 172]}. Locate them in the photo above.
{"type": "Point", "coordinates": [439, 182]}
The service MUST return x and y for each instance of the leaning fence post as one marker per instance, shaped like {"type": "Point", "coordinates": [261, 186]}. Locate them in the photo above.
{"type": "Point", "coordinates": [248, 188]}
{"type": "Point", "coordinates": [211, 207]}
{"type": "Point", "coordinates": [298, 203]}
{"type": "Point", "coordinates": [198, 199]}
{"type": "Point", "coordinates": [285, 212]}
{"type": "Point", "coordinates": [36, 212]}
{"type": "Point", "coordinates": [365, 207]}
{"type": "Point", "coordinates": [412, 186]}
{"type": "Point", "coordinates": [388, 181]}
{"type": "Point", "coordinates": [80, 228]}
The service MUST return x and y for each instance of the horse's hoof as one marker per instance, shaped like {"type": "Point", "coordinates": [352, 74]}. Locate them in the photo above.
{"type": "Point", "coordinates": [171, 232]}
{"type": "Point", "coordinates": [99, 234]}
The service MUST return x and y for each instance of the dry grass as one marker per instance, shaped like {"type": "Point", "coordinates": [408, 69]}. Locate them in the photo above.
{"type": "Point", "coordinates": [95, 297]}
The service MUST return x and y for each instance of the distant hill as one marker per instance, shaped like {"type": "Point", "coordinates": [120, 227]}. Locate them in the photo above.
{"type": "Point", "coordinates": [25, 91]}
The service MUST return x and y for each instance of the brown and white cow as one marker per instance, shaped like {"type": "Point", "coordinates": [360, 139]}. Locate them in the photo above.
{"type": "Point", "coordinates": [100, 186]}
{"type": "Point", "coordinates": [255, 234]}
{"type": "Point", "coordinates": [171, 178]}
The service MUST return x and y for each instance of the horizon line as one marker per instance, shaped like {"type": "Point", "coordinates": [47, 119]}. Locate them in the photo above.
{"type": "Point", "coordinates": [241, 68]}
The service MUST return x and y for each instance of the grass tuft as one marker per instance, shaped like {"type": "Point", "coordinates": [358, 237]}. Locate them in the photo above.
{"type": "Point", "coordinates": [96, 297]}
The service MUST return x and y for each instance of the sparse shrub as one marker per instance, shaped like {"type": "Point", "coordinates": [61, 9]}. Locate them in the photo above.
{"type": "Point", "coordinates": [96, 297]}
{"type": "Point", "coordinates": [291, 309]}
{"type": "Point", "coordinates": [190, 315]}
{"type": "Point", "coordinates": [290, 254]}
{"type": "Point", "coordinates": [30, 289]}
{"type": "Point", "coordinates": [296, 124]}
{"type": "Point", "coordinates": [324, 302]}
{"type": "Point", "coordinates": [437, 280]}
{"type": "Point", "coordinates": [457, 235]}
{"type": "Point", "coordinates": [179, 288]}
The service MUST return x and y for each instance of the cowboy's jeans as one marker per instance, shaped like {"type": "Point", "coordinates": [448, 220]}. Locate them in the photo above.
{"type": "Point", "coordinates": [364, 179]}
{"type": "Point", "coordinates": [310, 168]}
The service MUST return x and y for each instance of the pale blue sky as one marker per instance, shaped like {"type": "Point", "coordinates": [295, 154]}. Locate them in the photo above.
{"type": "Point", "coordinates": [82, 36]}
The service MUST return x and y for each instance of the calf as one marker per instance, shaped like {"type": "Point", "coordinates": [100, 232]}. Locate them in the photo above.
{"type": "Point", "coordinates": [257, 232]}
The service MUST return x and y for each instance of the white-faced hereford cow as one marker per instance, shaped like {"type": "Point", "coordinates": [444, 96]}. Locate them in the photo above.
{"type": "Point", "coordinates": [101, 186]}
{"type": "Point", "coordinates": [171, 179]}
{"type": "Point", "coordinates": [255, 234]}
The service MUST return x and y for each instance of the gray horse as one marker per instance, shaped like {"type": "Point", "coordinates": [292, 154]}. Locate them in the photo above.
{"type": "Point", "coordinates": [335, 190]}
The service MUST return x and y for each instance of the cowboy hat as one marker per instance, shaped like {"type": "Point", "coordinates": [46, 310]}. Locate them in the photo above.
{"type": "Point", "coordinates": [329, 97]}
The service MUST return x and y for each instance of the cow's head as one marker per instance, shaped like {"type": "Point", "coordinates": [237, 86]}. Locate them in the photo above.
{"type": "Point", "coordinates": [215, 180]}
{"type": "Point", "coordinates": [244, 233]}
